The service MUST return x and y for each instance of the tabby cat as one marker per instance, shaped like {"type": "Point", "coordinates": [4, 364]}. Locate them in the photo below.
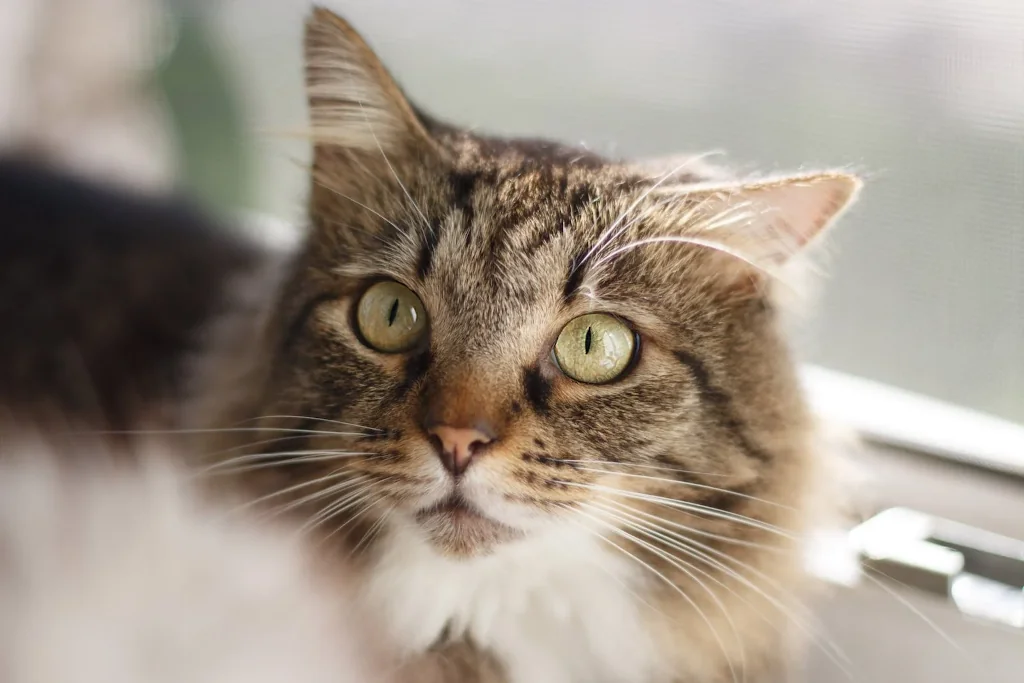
{"type": "Point", "coordinates": [541, 396]}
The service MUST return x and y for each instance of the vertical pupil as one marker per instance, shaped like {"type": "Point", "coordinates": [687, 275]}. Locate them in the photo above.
{"type": "Point", "coordinates": [587, 341]}
{"type": "Point", "coordinates": [393, 313]}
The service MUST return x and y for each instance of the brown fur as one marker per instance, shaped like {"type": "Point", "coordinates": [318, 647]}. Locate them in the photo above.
{"type": "Point", "coordinates": [505, 242]}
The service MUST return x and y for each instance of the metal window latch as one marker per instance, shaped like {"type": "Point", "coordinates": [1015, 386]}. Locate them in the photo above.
{"type": "Point", "coordinates": [980, 572]}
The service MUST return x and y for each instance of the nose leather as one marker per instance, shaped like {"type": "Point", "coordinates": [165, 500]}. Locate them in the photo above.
{"type": "Point", "coordinates": [457, 446]}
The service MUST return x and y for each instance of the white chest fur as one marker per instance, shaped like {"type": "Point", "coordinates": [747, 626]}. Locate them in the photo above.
{"type": "Point", "coordinates": [560, 607]}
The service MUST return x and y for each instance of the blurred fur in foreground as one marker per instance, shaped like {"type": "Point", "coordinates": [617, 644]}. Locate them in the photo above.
{"type": "Point", "coordinates": [124, 574]}
{"type": "Point", "coordinates": [122, 312]}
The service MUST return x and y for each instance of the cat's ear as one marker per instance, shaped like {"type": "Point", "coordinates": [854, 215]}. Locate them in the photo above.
{"type": "Point", "coordinates": [354, 102]}
{"type": "Point", "coordinates": [766, 222]}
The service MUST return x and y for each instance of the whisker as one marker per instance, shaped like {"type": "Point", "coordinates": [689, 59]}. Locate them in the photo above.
{"type": "Point", "coordinates": [916, 612]}
{"type": "Point", "coordinates": [334, 191]}
{"type": "Point", "coordinates": [364, 507]}
{"type": "Point", "coordinates": [643, 528]}
{"type": "Point", "coordinates": [267, 460]}
{"type": "Point", "coordinates": [680, 239]}
{"type": "Point", "coordinates": [358, 482]}
{"type": "Point", "coordinates": [314, 419]}
{"type": "Point", "coordinates": [611, 574]}
{"type": "Point", "coordinates": [803, 617]}
{"type": "Point", "coordinates": [677, 589]}
{"type": "Point", "coordinates": [611, 463]}
{"type": "Point", "coordinates": [369, 126]}
{"type": "Point", "coordinates": [690, 547]}
{"type": "Point", "coordinates": [278, 439]}
{"type": "Point", "coordinates": [334, 474]}
{"type": "Point", "coordinates": [722, 538]}
{"type": "Point", "coordinates": [692, 485]}
{"type": "Point", "coordinates": [286, 456]}
{"type": "Point", "coordinates": [373, 531]}
{"type": "Point", "coordinates": [337, 507]}
{"type": "Point", "coordinates": [212, 430]}
{"type": "Point", "coordinates": [686, 506]}
{"type": "Point", "coordinates": [606, 235]}
{"type": "Point", "coordinates": [368, 495]}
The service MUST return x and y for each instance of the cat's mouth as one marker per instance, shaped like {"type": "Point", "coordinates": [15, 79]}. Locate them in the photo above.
{"type": "Point", "coordinates": [458, 524]}
{"type": "Point", "coordinates": [456, 507]}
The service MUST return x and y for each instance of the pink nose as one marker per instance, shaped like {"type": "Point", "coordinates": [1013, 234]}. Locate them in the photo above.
{"type": "Point", "coordinates": [458, 445]}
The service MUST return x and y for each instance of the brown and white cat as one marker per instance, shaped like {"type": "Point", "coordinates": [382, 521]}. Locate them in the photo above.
{"type": "Point", "coordinates": [542, 396]}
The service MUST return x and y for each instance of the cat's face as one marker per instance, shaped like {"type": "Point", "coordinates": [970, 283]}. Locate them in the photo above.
{"type": "Point", "coordinates": [528, 333]}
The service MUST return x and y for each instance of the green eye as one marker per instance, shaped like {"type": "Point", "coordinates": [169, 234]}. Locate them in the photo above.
{"type": "Point", "coordinates": [391, 318]}
{"type": "Point", "coordinates": [595, 348]}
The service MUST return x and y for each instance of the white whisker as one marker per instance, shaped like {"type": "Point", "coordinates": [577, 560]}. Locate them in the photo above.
{"type": "Point", "coordinates": [365, 207]}
{"type": "Point", "coordinates": [689, 507]}
{"type": "Point", "coordinates": [691, 485]}
{"type": "Point", "coordinates": [369, 126]}
{"type": "Point", "coordinates": [673, 586]}
{"type": "Point", "coordinates": [664, 468]}
{"type": "Point", "coordinates": [373, 531]}
{"type": "Point", "coordinates": [918, 613]}
{"type": "Point", "coordinates": [608, 234]}
{"type": "Point", "coordinates": [314, 419]}
{"type": "Point", "coordinates": [679, 239]}
{"type": "Point", "coordinates": [354, 497]}
{"type": "Point", "coordinates": [276, 439]}
{"type": "Point", "coordinates": [332, 490]}
{"type": "Point", "coordinates": [692, 548]}
{"type": "Point", "coordinates": [612, 575]}
{"type": "Point", "coordinates": [285, 457]}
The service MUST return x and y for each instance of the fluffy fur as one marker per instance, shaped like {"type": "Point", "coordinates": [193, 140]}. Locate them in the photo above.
{"type": "Point", "coordinates": [646, 530]}
{"type": "Point", "coordinates": [126, 575]}
{"type": "Point", "coordinates": [117, 562]}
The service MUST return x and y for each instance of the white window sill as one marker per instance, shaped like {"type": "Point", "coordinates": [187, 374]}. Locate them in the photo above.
{"type": "Point", "coordinates": [893, 416]}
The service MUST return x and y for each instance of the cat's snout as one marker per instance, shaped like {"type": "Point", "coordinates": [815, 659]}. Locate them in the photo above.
{"type": "Point", "coordinates": [456, 446]}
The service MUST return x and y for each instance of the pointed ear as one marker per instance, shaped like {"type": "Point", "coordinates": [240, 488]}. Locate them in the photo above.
{"type": "Point", "coordinates": [766, 222]}
{"type": "Point", "coordinates": [354, 102]}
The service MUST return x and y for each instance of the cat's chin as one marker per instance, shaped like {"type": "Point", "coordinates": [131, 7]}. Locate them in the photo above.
{"type": "Point", "coordinates": [457, 527]}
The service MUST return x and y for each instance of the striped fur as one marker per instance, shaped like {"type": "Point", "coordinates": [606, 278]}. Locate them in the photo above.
{"type": "Point", "coordinates": [645, 530]}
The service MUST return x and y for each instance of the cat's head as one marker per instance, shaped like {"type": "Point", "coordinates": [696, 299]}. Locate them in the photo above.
{"type": "Point", "coordinates": [530, 334]}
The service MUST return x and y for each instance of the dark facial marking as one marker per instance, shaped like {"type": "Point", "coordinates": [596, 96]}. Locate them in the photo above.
{"type": "Point", "coordinates": [538, 443]}
{"type": "Point", "coordinates": [579, 199]}
{"type": "Point", "coordinates": [537, 388]}
{"type": "Point", "coordinates": [426, 257]}
{"type": "Point", "coordinates": [551, 462]}
{"type": "Point", "coordinates": [516, 407]}
{"type": "Point", "coordinates": [298, 323]}
{"type": "Point", "coordinates": [574, 277]}
{"type": "Point", "coordinates": [720, 403]}
{"type": "Point", "coordinates": [415, 367]}
{"type": "Point", "coordinates": [463, 185]}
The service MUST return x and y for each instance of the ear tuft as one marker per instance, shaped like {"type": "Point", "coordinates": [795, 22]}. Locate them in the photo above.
{"type": "Point", "coordinates": [769, 221]}
{"type": "Point", "coordinates": [353, 100]}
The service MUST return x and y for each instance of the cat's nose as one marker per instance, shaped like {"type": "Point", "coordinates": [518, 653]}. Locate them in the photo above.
{"type": "Point", "coordinates": [456, 446]}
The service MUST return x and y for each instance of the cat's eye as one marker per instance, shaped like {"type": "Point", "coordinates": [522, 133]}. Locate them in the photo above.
{"type": "Point", "coordinates": [391, 319]}
{"type": "Point", "coordinates": [595, 348]}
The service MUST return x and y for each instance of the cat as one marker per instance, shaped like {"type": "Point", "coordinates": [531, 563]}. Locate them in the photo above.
{"type": "Point", "coordinates": [542, 397]}
{"type": "Point", "coordinates": [126, 317]}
